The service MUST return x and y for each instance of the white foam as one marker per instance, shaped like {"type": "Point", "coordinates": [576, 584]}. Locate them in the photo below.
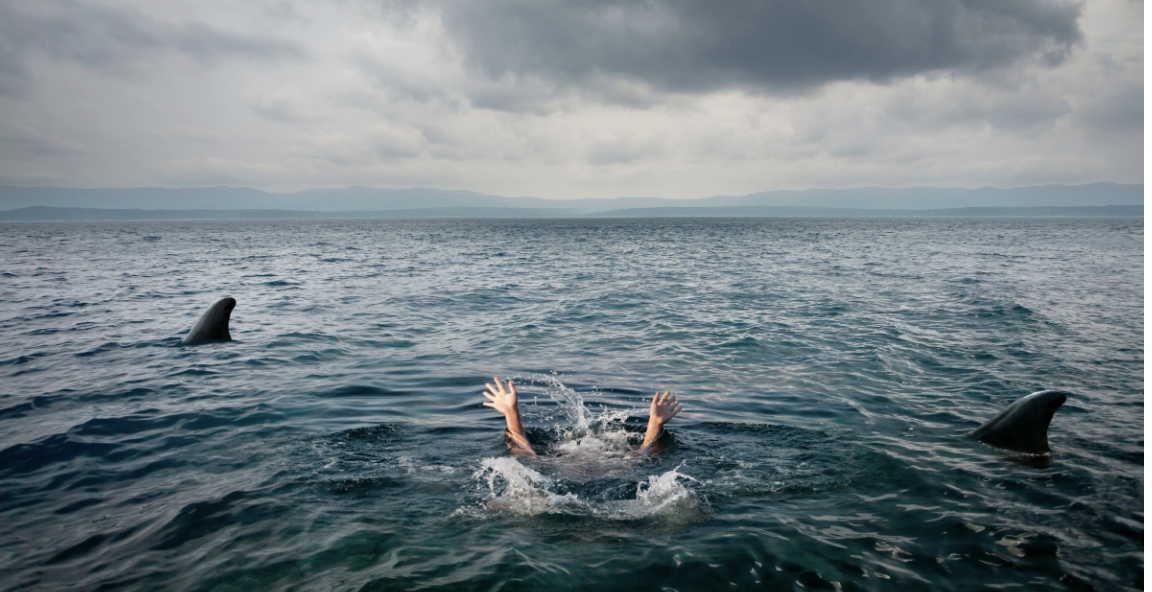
{"type": "Point", "coordinates": [589, 448]}
{"type": "Point", "coordinates": [569, 403]}
{"type": "Point", "coordinates": [664, 497]}
{"type": "Point", "coordinates": [521, 490]}
{"type": "Point", "coordinates": [516, 488]}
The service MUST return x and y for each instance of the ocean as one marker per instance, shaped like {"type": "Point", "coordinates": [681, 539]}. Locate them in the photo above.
{"type": "Point", "coordinates": [829, 371]}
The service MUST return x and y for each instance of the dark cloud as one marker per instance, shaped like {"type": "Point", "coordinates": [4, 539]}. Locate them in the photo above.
{"type": "Point", "coordinates": [116, 40]}
{"type": "Point", "coordinates": [775, 46]}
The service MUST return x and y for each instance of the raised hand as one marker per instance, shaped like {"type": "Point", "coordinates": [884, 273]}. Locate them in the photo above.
{"type": "Point", "coordinates": [663, 408]}
{"type": "Point", "coordinates": [504, 400]}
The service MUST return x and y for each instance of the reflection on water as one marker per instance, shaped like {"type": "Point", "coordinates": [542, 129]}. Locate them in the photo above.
{"type": "Point", "coordinates": [830, 371]}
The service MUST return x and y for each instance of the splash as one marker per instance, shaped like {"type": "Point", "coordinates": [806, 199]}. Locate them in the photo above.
{"type": "Point", "coordinates": [569, 403]}
{"type": "Point", "coordinates": [588, 467]}
{"type": "Point", "coordinates": [520, 490]}
{"type": "Point", "coordinates": [664, 497]}
{"type": "Point", "coordinates": [581, 445]}
{"type": "Point", "coordinates": [571, 419]}
{"type": "Point", "coordinates": [523, 491]}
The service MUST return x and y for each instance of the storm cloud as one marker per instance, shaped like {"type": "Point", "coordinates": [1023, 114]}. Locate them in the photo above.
{"type": "Point", "coordinates": [766, 46]}
{"type": "Point", "coordinates": [583, 98]}
{"type": "Point", "coordinates": [115, 39]}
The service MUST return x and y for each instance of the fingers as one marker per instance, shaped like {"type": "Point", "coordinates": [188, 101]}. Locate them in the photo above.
{"type": "Point", "coordinates": [499, 388]}
{"type": "Point", "coordinates": [665, 405]}
{"type": "Point", "coordinates": [489, 404]}
{"type": "Point", "coordinates": [497, 392]}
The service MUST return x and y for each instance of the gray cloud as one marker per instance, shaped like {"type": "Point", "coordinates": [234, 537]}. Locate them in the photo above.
{"type": "Point", "coordinates": [18, 138]}
{"type": "Point", "coordinates": [1117, 112]}
{"type": "Point", "coordinates": [115, 39]}
{"type": "Point", "coordinates": [774, 46]}
{"type": "Point", "coordinates": [587, 98]}
{"type": "Point", "coordinates": [13, 74]}
{"type": "Point", "coordinates": [280, 106]}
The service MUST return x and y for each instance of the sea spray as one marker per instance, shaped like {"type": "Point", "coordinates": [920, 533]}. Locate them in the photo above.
{"type": "Point", "coordinates": [569, 403]}
{"type": "Point", "coordinates": [520, 490]}
{"type": "Point", "coordinates": [516, 488]}
{"type": "Point", "coordinates": [662, 497]}
{"type": "Point", "coordinates": [571, 419]}
{"type": "Point", "coordinates": [580, 470]}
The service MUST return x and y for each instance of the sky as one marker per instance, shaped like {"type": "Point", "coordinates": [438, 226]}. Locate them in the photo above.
{"type": "Point", "coordinates": [571, 99]}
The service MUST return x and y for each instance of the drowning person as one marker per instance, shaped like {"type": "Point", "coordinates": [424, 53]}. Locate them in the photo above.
{"type": "Point", "coordinates": [662, 409]}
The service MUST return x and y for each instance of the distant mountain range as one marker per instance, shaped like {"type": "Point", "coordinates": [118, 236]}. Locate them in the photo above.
{"type": "Point", "coordinates": [55, 203]}
{"type": "Point", "coordinates": [50, 214]}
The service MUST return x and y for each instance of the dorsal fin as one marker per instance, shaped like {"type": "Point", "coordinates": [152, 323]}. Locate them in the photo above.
{"type": "Point", "coordinates": [1023, 425]}
{"type": "Point", "coordinates": [213, 324]}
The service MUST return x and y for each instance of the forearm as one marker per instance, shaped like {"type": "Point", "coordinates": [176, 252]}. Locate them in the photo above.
{"type": "Point", "coordinates": [516, 433]}
{"type": "Point", "coordinates": [663, 408]}
{"type": "Point", "coordinates": [651, 435]}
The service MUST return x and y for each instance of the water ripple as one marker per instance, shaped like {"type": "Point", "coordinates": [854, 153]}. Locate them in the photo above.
{"type": "Point", "coordinates": [830, 371]}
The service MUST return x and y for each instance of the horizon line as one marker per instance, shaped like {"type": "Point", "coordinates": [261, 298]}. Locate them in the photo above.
{"type": "Point", "coordinates": [344, 188]}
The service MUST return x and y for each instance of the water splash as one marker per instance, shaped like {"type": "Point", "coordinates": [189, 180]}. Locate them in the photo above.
{"type": "Point", "coordinates": [569, 403]}
{"type": "Point", "coordinates": [580, 445]}
{"type": "Point", "coordinates": [520, 490]}
{"type": "Point", "coordinates": [523, 491]}
{"type": "Point", "coordinates": [664, 497]}
{"type": "Point", "coordinates": [592, 461]}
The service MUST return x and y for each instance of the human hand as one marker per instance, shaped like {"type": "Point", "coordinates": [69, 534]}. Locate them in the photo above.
{"type": "Point", "coordinates": [504, 400]}
{"type": "Point", "coordinates": [663, 408]}
{"type": "Point", "coordinates": [501, 399]}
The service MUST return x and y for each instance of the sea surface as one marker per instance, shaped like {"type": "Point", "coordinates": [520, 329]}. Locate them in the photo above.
{"type": "Point", "coordinates": [829, 370]}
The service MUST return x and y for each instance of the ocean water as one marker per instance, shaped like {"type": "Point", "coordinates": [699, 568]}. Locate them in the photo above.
{"type": "Point", "coordinates": [829, 371]}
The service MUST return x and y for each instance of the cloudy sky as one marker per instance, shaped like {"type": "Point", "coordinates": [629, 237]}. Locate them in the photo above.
{"type": "Point", "coordinates": [563, 99]}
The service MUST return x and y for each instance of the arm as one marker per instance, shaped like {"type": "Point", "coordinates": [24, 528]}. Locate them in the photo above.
{"type": "Point", "coordinates": [664, 407]}
{"type": "Point", "coordinates": [505, 402]}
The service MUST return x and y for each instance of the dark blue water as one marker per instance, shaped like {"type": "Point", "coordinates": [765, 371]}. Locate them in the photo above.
{"type": "Point", "coordinates": [829, 370]}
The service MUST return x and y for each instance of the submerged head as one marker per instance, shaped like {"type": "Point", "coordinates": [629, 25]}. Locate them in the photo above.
{"type": "Point", "coordinates": [1023, 425]}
